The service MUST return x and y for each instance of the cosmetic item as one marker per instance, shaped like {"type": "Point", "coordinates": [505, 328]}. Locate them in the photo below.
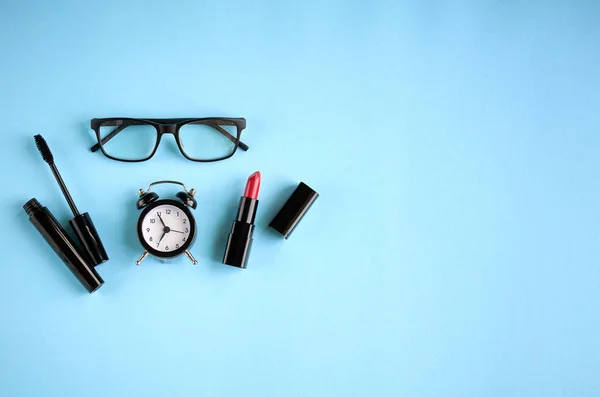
{"type": "Point", "coordinates": [62, 244]}
{"type": "Point", "coordinates": [293, 210]}
{"type": "Point", "coordinates": [82, 224]}
{"type": "Point", "coordinates": [240, 238]}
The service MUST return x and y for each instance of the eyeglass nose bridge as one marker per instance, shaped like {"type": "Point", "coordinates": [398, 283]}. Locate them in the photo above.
{"type": "Point", "coordinates": [166, 129]}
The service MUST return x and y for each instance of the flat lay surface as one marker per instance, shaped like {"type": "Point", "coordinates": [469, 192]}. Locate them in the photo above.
{"type": "Point", "coordinates": [453, 248]}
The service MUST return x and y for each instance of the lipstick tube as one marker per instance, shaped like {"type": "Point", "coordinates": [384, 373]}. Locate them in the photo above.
{"type": "Point", "coordinates": [239, 241]}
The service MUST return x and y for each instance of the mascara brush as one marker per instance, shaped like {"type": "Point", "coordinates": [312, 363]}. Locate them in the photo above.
{"type": "Point", "coordinates": [42, 146]}
{"type": "Point", "coordinates": [82, 224]}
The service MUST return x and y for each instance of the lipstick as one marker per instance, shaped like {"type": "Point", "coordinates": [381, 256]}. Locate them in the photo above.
{"type": "Point", "coordinates": [252, 186]}
{"type": "Point", "coordinates": [240, 237]}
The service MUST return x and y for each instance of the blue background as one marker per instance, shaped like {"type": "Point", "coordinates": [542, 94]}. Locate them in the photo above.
{"type": "Point", "coordinates": [453, 250]}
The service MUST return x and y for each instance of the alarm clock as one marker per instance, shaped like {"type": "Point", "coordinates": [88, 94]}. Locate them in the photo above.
{"type": "Point", "coordinates": [166, 227]}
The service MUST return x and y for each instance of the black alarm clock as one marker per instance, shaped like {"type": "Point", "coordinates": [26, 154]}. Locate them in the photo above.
{"type": "Point", "coordinates": [166, 228]}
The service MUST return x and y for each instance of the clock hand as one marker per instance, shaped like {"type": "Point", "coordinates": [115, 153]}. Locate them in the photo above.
{"type": "Point", "coordinates": [161, 237]}
{"type": "Point", "coordinates": [161, 221]}
{"type": "Point", "coordinates": [176, 231]}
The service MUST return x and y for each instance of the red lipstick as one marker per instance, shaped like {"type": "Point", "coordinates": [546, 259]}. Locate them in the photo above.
{"type": "Point", "coordinates": [253, 186]}
{"type": "Point", "coordinates": [240, 237]}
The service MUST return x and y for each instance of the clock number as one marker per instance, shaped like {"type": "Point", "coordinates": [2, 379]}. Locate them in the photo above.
{"type": "Point", "coordinates": [168, 211]}
{"type": "Point", "coordinates": [157, 244]}
{"type": "Point", "coordinates": [147, 229]}
{"type": "Point", "coordinates": [183, 240]}
{"type": "Point", "coordinates": [185, 221]}
{"type": "Point", "coordinates": [167, 248]}
{"type": "Point", "coordinates": [150, 239]}
{"type": "Point", "coordinates": [177, 213]}
{"type": "Point", "coordinates": [159, 213]}
{"type": "Point", "coordinates": [176, 245]}
{"type": "Point", "coordinates": [186, 230]}
{"type": "Point", "coordinates": [152, 220]}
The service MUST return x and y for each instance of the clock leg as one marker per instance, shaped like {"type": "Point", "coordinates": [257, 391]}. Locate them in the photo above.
{"type": "Point", "coordinates": [144, 255]}
{"type": "Point", "coordinates": [189, 255]}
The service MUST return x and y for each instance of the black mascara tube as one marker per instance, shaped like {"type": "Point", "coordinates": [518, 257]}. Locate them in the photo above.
{"type": "Point", "coordinates": [62, 244]}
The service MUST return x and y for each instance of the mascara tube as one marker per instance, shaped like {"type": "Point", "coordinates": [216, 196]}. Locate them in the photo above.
{"type": "Point", "coordinates": [62, 244]}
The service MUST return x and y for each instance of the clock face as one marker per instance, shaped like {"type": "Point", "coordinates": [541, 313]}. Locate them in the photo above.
{"type": "Point", "coordinates": [166, 228]}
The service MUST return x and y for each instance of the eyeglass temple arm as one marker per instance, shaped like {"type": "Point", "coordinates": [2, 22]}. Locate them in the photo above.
{"type": "Point", "coordinates": [120, 128]}
{"type": "Point", "coordinates": [108, 137]}
{"type": "Point", "coordinates": [227, 135]}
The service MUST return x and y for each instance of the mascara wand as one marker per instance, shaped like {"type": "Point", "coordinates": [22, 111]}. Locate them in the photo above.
{"type": "Point", "coordinates": [82, 224]}
{"type": "Point", "coordinates": [42, 146]}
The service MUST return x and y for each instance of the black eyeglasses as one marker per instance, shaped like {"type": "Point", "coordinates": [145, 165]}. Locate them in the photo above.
{"type": "Point", "coordinates": [199, 139]}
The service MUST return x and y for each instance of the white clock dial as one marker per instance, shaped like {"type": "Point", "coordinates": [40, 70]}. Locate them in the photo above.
{"type": "Point", "coordinates": [166, 228]}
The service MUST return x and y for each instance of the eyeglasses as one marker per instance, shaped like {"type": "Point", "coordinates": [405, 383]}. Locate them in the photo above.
{"type": "Point", "coordinates": [199, 139]}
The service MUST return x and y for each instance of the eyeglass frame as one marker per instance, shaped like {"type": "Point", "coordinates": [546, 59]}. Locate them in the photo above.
{"type": "Point", "coordinates": [167, 126]}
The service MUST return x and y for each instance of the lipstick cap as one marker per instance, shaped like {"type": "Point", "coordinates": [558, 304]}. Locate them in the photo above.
{"type": "Point", "coordinates": [294, 209]}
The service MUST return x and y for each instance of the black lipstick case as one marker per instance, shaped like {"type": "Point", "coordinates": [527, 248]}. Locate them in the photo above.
{"type": "Point", "coordinates": [239, 241]}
